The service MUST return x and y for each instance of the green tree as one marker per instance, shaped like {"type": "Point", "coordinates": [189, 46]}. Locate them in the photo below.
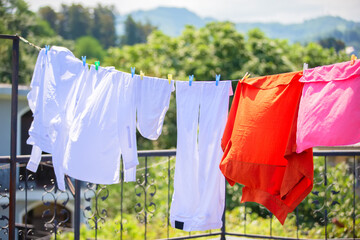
{"type": "Point", "coordinates": [268, 55]}
{"type": "Point", "coordinates": [136, 32]}
{"type": "Point", "coordinates": [79, 21]}
{"type": "Point", "coordinates": [89, 47]}
{"type": "Point", "coordinates": [15, 17]}
{"type": "Point", "coordinates": [49, 15]}
{"type": "Point", "coordinates": [63, 22]}
{"type": "Point", "coordinates": [74, 21]}
{"type": "Point", "coordinates": [331, 42]}
{"type": "Point", "coordinates": [103, 27]}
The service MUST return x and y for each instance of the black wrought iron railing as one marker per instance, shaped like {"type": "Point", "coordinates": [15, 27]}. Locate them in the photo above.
{"type": "Point", "coordinates": [141, 210]}
{"type": "Point", "coordinates": [31, 206]}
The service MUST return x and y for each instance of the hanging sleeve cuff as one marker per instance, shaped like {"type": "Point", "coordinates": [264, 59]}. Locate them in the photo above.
{"type": "Point", "coordinates": [130, 175]}
{"type": "Point", "coordinates": [35, 159]}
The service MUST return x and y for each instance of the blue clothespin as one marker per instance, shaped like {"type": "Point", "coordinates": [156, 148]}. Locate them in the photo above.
{"type": "Point", "coordinates": [191, 78]}
{"type": "Point", "coordinates": [83, 58]}
{"type": "Point", "coordinates": [217, 79]}
{"type": "Point", "coordinates": [132, 71]}
{"type": "Point", "coordinates": [47, 47]}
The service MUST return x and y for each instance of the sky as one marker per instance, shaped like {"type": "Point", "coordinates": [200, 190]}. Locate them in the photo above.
{"type": "Point", "coordinates": [283, 11]}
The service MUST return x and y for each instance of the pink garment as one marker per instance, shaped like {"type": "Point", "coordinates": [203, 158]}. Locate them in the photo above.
{"type": "Point", "coordinates": [329, 111]}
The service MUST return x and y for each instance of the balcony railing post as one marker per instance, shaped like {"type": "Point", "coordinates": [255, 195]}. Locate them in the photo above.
{"type": "Point", "coordinates": [354, 198]}
{"type": "Point", "coordinates": [77, 210]}
{"type": "Point", "coordinates": [14, 108]}
{"type": "Point", "coordinates": [325, 198]}
{"type": "Point", "coordinates": [223, 230]}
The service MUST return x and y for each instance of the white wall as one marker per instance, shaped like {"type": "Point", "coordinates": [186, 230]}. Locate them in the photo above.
{"type": "Point", "coordinates": [5, 122]}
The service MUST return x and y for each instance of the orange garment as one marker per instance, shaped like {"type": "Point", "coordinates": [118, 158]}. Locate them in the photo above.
{"type": "Point", "coordinates": [259, 144]}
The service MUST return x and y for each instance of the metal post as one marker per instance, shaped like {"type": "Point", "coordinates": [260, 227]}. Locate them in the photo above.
{"type": "Point", "coordinates": [168, 204]}
{"type": "Point", "coordinates": [325, 198]}
{"type": "Point", "coordinates": [121, 201]}
{"type": "Point", "coordinates": [26, 202]}
{"type": "Point", "coordinates": [354, 197]}
{"type": "Point", "coordinates": [271, 216]}
{"type": "Point", "coordinates": [297, 222]}
{"type": "Point", "coordinates": [223, 230]}
{"type": "Point", "coordinates": [245, 218]}
{"type": "Point", "coordinates": [146, 172]}
{"type": "Point", "coordinates": [77, 210]}
{"type": "Point", "coordinates": [14, 108]}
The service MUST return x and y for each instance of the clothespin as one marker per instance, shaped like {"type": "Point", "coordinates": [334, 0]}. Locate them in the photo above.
{"type": "Point", "coordinates": [83, 58]}
{"type": "Point", "coordinates": [97, 64]}
{"type": "Point", "coordinates": [245, 76]}
{"type": "Point", "coordinates": [132, 71]}
{"type": "Point", "coordinates": [47, 48]}
{"type": "Point", "coordinates": [191, 78]}
{"type": "Point", "coordinates": [142, 74]}
{"type": "Point", "coordinates": [217, 79]}
{"type": "Point", "coordinates": [306, 66]}
{"type": "Point", "coordinates": [169, 78]}
{"type": "Point", "coordinates": [353, 59]}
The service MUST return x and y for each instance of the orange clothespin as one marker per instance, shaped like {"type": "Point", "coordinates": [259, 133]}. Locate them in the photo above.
{"type": "Point", "coordinates": [169, 78]}
{"type": "Point", "coordinates": [353, 59]}
{"type": "Point", "coordinates": [142, 74]}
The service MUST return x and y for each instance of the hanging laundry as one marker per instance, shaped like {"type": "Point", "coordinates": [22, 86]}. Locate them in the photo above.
{"type": "Point", "coordinates": [60, 125]}
{"type": "Point", "coordinates": [199, 187]}
{"type": "Point", "coordinates": [329, 112]}
{"type": "Point", "coordinates": [152, 103]}
{"type": "Point", "coordinates": [95, 76]}
{"type": "Point", "coordinates": [76, 103]}
{"type": "Point", "coordinates": [259, 144]}
{"type": "Point", "coordinates": [53, 84]}
{"type": "Point", "coordinates": [105, 130]}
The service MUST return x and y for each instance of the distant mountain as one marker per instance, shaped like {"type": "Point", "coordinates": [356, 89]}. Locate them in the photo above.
{"type": "Point", "coordinates": [309, 30]}
{"type": "Point", "coordinates": [169, 20]}
{"type": "Point", "coordinates": [172, 21]}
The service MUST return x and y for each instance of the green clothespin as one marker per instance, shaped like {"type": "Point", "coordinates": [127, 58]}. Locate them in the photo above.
{"type": "Point", "coordinates": [97, 64]}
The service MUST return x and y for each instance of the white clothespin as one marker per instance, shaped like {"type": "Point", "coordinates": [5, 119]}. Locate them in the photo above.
{"type": "Point", "coordinates": [306, 66]}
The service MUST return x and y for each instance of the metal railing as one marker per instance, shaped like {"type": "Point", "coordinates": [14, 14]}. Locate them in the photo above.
{"type": "Point", "coordinates": [151, 199]}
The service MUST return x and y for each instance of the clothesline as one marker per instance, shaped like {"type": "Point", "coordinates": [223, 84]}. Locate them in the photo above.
{"type": "Point", "coordinates": [29, 43]}
{"type": "Point", "coordinates": [39, 49]}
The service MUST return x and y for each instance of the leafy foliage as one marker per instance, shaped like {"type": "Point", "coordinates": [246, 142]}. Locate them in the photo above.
{"type": "Point", "coordinates": [15, 17]}
{"type": "Point", "coordinates": [258, 220]}
{"type": "Point", "coordinates": [89, 47]}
